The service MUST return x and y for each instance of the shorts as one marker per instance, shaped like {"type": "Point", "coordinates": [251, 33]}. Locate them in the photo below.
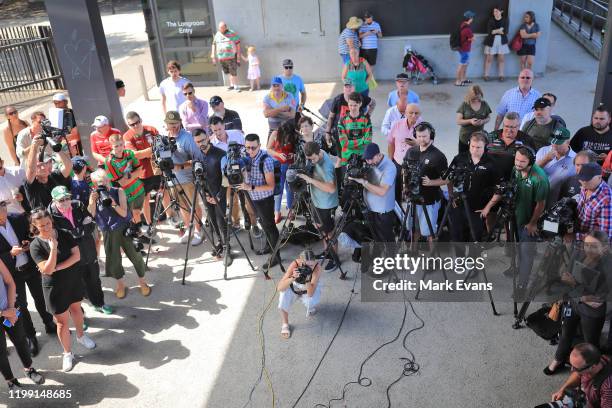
{"type": "Point", "coordinates": [345, 58]}
{"type": "Point", "coordinates": [369, 55]}
{"type": "Point", "coordinates": [497, 48]}
{"type": "Point", "coordinates": [326, 218]}
{"type": "Point", "coordinates": [527, 49]}
{"type": "Point", "coordinates": [287, 297]}
{"type": "Point", "coordinates": [432, 211]}
{"type": "Point", "coordinates": [151, 183]}
{"type": "Point", "coordinates": [229, 66]}
{"type": "Point", "coordinates": [137, 203]}
{"type": "Point", "coordinates": [464, 57]}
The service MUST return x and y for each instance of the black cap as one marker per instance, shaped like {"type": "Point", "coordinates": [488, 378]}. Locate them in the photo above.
{"type": "Point", "coordinates": [367, 14]}
{"type": "Point", "coordinates": [541, 103]}
{"type": "Point", "coordinates": [78, 163]}
{"type": "Point", "coordinates": [215, 100]}
{"type": "Point", "coordinates": [119, 83]}
{"type": "Point", "coordinates": [402, 77]}
{"type": "Point", "coordinates": [287, 63]}
{"type": "Point", "coordinates": [588, 171]}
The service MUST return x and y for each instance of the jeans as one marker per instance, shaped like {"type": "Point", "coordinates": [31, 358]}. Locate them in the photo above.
{"type": "Point", "coordinates": [17, 336]}
{"type": "Point", "coordinates": [365, 93]}
{"type": "Point", "coordinates": [284, 186]}
{"type": "Point", "coordinates": [216, 214]}
{"type": "Point", "coordinates": [33, 280]}
{"type": "Point", "coordinates": [527, 251]}
{"type": "Point", "coordinates": [265, 211]}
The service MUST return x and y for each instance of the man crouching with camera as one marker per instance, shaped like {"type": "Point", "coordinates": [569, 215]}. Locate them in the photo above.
{"type": "Point", "coordinates": [301, 281]}
{"type": "Point", "coordinates": [590, 380]}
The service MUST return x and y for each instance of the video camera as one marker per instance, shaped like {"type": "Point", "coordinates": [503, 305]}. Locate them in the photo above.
{"type": "Point", "coordinates": [199, 170]}
{"type": "Point", "coordinates": [411, 174]}
{"type": "Point", "coordinates": [560, 219]}
{"type": "Point", "coordinates": [356, 168]}
{"type": "Point", "coordinates": [52, 135]}
{"type": "Point", "coordinates": [163, 147]}
{"type": "Point", "coordinates": [305, 271]}
{"type": "Point", "coordinates": [507, 189]}
{"type": "Point", "coordinates": [301, 165]}
{"type": "Point", "coordinates": [233, 169]}
{"type": "Point", "coordinates": [572, 398]}
{"type": "Point", "coordinates": [458, 174]}
{"type": "Point", "coordinates": [104, 196]}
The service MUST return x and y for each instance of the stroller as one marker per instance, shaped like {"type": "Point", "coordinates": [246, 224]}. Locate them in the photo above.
{"type": "Point", "coordinates": [418, 67]}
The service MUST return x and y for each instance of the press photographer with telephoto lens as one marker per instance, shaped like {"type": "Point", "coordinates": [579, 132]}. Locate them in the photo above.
{"type": "Point", "coordinates": [108, 205]}
{"type": "Point", "coordinates": [301, 281]}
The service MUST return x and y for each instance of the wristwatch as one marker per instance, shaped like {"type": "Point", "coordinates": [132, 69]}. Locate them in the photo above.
{"type": "Point", "coordinates": [252, 187]}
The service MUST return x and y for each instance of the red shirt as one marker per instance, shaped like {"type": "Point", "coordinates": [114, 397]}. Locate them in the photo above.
{"type": "Point", "coordinates": [144, 141]}
{"type": "Point", "coordinates": [466, 35]}
{"type": "Point", "coordinates": [287, 149]}
{"type": "Point", "coordinates": [100, 143]}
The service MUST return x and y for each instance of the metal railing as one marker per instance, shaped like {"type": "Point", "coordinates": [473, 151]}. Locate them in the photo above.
{"type": "Point", "coordinates": [586, 18]}
{"type": "Point", "coordinates": [28, 60]}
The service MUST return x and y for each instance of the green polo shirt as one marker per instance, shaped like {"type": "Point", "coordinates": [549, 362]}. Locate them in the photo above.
{"type": "Point", "coordinates": [531, 189]}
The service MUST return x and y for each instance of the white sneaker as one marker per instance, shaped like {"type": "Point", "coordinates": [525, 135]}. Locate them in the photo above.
{"type": "Point", "coordinates": [184, 238]}
{"type": "Point", "coordinates": [196, 240]}
{"type": "Point", "coordinates": [86, 342]}
{"type": "Point", "coordinates": [67, 362]}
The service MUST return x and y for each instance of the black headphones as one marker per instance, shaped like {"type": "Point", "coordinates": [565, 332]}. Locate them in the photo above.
{"type": "Point", "coordinates": [486, 136]}
{"type": "Point", "coordinates": [426, 125]}
{"type": "Point", "coordinates": [530, 153]}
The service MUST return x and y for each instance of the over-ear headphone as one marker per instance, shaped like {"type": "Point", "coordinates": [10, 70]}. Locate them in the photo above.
{"type": "Point", "coordinates": [424, 125]}
{"type": "Point", "coordinates": [530, 153]}
{"type": "Point", "coordinates": [485, 137]}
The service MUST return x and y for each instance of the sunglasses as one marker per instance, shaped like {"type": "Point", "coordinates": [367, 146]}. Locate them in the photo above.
{"type": "Point", "coordinates": [580, 370]}
{"type": "Point", "coordinates": [275, 85]}
{"type": "Point", "coordinates": [288, 67]}
{"type": "Point", "coordinates": [188, 93]}
{"type": "Point", "coordinates": [134, 124]}
{"type": "Point", "coordinates": [253, 148]}
{"type": "Point", "coordinates": [11, 113]}
{"type": "Point", "coordinates": [525, 77]}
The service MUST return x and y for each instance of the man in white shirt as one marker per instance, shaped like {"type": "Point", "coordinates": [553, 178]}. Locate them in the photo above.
{"type": "Point", "coordinates": [221, 138]}
{"type": "Point", "coordinates": [11, 178]}
{"type": "Point", "coordinates": [395, 113]}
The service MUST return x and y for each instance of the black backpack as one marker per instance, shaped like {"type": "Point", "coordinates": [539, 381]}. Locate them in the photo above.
{"type": "Point", "coordinates": [277, 172]}
{"type": "Point", "coordinates": [455, 40]}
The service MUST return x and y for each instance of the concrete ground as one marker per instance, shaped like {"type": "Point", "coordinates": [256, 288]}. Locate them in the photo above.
{"type": "Point", "coordinates": [200, 345]}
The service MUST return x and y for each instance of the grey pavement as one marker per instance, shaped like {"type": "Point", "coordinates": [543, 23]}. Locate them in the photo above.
{"type": "Point", "coordinates": [199, 345]}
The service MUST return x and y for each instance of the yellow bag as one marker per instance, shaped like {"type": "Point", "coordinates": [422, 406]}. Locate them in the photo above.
{"type": "Point", "coordinates": [372, 84]}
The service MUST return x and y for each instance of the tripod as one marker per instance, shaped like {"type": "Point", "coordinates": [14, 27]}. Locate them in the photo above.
{"type": "Point", "coordinates": [462, 199]}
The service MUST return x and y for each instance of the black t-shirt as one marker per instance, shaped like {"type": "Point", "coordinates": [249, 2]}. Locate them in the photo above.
{"type": "Point", "coordinates": [231, 120]}
{"type": "Point", "coordinates": [39, 249]}
{"type": "Point", "coordinates": [502, 154]}
{"type": "Point", "coordinates": [569, 188]}
{"type": "Point", "coordinates": [214, 174]}
{"type": "Point", "coordinates": [340, 107]}
{"type": "Point", "coordinates": [39, 195]}
{"type": "Point", "coordinates": [588, 138]}
{"type": "Point", "coordinates": [433, 164]}
{"type": "Point", "coordinates": [481, 179]}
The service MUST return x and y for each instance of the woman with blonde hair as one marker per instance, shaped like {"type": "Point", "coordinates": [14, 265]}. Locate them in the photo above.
{"type": "Point", "coordinates": [473, 113]}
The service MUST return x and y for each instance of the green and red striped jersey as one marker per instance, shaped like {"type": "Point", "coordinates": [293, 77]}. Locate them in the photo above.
{"type": "Point", "coordinates": [116, 167]}
{"type": "Point", "coordinates": [353, 134]}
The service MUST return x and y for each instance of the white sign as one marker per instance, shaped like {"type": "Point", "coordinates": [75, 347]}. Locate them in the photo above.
{"type": "Point", "coordinates": [185, 27]}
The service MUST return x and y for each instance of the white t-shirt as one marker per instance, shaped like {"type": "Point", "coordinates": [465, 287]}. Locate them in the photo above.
{"type": "Point", "coordinates": [173, 92]}
{"type": "Point", "coordinates": [13, 178]}
{"type": "Point", "coordinates": [232, 136]}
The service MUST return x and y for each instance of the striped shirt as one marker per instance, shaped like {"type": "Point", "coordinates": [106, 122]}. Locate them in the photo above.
{"type": "Point", "coordinates": [347, 34]}
{"type": "Point", "coordinates": [514, 101]}
{"type": "Point", "coordinates": [354, 134]}
{"type": "Point", "coordinates": [225, 44]}
{"type": "Point", "coordinates": [369, 42]}
{"type": "Point", "coordinates": [116, 167]}
{"type": "Point", "coordinates": [595, 212]}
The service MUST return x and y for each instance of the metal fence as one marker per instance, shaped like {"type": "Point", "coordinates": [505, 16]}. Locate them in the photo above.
{"type": "Point", "coordinates": [28, 60]}
{"type": "Point", "coordinates": [586, 19]}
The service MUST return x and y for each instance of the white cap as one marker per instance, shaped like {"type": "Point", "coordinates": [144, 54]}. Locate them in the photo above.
{"type": "Point", "coordinates": [58, 97]}
{"type": "Point", "coordinates": [100, 121]}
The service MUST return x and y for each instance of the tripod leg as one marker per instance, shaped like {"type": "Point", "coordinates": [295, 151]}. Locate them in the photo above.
{"type": "Point", "coordinates": [228, 226]}
{"type": "Point", "coordinates": [191, 218]}
{"type": "Point", "coordinates": [156, 214]}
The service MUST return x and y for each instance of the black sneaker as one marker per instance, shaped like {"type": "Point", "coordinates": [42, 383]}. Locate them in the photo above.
{"type": "Point", "coordinates": [13, 383]}
{"type": "Point", "coordinates": [356, 255]}
{"type": "Point", "coordinates": [51, 328]}
{"type": "Point", "coordinates": [35, 376]}
{"type": "Point", "coordinates": [322, 255]}
{"type": "Point", "coordinates": [331, 266]}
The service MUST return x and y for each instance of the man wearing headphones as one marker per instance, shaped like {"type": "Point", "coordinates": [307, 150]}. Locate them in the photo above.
{"type": "Point", "coordinates": [433, 164]}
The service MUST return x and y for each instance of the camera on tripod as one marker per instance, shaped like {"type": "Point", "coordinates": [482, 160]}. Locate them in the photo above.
{"type": "Point", "coordinates": [301, 165]}
{"type": "Point", "coordinates": [356, 168]}
{"type": "Point", "coordinates": [457, 175]}
{"type": "Point", "coordinates": [199, 170]}
{"type": "Point", "coordinates": [572, 398]}
{"type": "Point", "coordinates": [163, 148]}
{"type": "Point", "coordinates": [559, 219]}
{"type": "Point", "coordinates": [411, 174]}
{"type": "Point", "coordinates": [304, 272]}
{"type": "Point", "coordinates": [104, 196]}
{"type": "Point", "coordinates": [233, 169]}
{"type": "Point", "coordinates": [507, 189]}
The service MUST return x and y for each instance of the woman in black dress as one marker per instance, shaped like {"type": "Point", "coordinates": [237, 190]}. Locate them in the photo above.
{"type": "Point", "coordinates": [57, 255]}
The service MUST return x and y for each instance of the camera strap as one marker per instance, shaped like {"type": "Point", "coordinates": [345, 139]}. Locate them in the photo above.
{"type": "Point", "coordinates": [297, 292]}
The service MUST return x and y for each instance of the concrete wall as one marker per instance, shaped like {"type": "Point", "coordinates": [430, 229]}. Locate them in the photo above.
{"type": "Point", "coordinates": [294, 30]}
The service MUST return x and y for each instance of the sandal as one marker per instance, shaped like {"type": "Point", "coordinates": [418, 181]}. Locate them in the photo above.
{"type": "Point", "coordinates": [467, 81]}
{"type": "Point", "coordinates": [121, 293]}
{"type": "Point", "coordinates": [502, 79]}
{"type": "Point", "coordinates": [486, 78]}
{"type": "Point", "coordinates": [285, 331]}
{"type": "Point", "coordinates": [459, 84]}
{"type": "Point", "coordinates": [145, 290]}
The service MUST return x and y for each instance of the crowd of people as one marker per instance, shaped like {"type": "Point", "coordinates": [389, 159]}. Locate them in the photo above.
{"type": "Point", "coordinates": [57, 208]}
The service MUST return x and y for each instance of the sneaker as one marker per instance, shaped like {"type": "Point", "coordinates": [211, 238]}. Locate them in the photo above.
{"type": "Point", "coordinates": [35, 376]}
{"type": "Point", "coordinates": [14, 383]}
{"type": "Point", "coordinates": [196, 240]}
{"type": "Point", "coordinates": [67, 362]}
{"type": "Point", "coordinates": [106, 309]}
{"type": "Point", "coordinates": [85, 323]}
{"type": "Point", "coordinates": [331, 266]}
{"type": "Point", "coordinates": [236, 227]}
{"type": "Point", "coordinates": [312, 311]}
{"type": "Point", "coordinates": [86, 342]}
{"type": "Point", "coordinates": [257, 231]}
{"type": "Point", "coordinates": [184, 238]}
{"type": "Point", "coordinates": [230, 88]}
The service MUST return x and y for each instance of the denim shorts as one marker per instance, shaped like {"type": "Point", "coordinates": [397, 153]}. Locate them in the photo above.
{"type": "Point", "coordinates": [464, 57]}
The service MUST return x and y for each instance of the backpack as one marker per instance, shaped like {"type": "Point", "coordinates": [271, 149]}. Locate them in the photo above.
{"type": "Point", "coordinates": [277, 172]}
{"type": "Point", "coordinates": [455, 40]}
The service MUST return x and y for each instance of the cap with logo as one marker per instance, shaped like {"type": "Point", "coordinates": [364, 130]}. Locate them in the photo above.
{"type": "Point", "coordinates": [100, 121]}
{"type": "Point", "coordinates": [60, 192]}
{"type": "Point", "coordinates": [402, 77]}
{"type": "Point", "coordinates": [215, 100]}
{"type": "Point", "coordinates": [59, 97]}
{"type": "Point", "coordinates": [172, 117]}
{"type": "Point", "coordinates": [560, 136]}
{"type": "Point", "coordinates": [541, 103]}
{"type": "Point", "coordinates": [287, 63]}
{"type": "Point", "coordinates": [370, 151]}
{"type": "Point", "coordinates": [588, 171]}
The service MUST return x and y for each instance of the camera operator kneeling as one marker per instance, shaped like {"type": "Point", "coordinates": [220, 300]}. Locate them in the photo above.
{"type": "Point", "coordinates": [301, 281]}
{"type": "Point", "coordinates": [108, 205]}
{"type": "Point", "coordinates": [591, 375]}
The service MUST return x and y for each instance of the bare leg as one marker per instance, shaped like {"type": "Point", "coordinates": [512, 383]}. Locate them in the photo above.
{"type": "Point", "coordinates": [146, 209]}
{"type": "Point", "coordinates": [77, 317]}
{"type": "Point", "coordinates": [63, 330]}
{"type": "Point", "coordinates": [284, 316]}
{"type": "Point", "coordinates": [501, 62]}
{"type": "Point", "coordinates": [257, 83]}
{"type": "Point", "coordinates": [487, 66]}
{"type": "Point", "coordinates": [458, 75]}
{"type": "Point", "coordinates": [529, 63]}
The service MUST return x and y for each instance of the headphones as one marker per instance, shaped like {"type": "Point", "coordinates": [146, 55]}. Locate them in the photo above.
{"type": "Point", "coordinates": [530, 153]}
{"type": "Point", "coordinates": [426, 125]}
{"type": "Point", "coordinates": [486, 141]}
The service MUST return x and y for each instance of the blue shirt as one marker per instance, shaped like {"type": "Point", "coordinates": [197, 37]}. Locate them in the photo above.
{"type": "Point", "coordinates": [294, 85]}
{"type": "Point", "coordinates": [347, 33]}
{"type": "Point", "coordinates": [256, 178]}
{"type": "Point", "coordinates": [325, 172]}
{"type": "Point", "coordinates": [285, 100]}
{"type": "Point", "coordinates": [369, 42]}
{"type": "Point", "coordinates": [557, 170]}
{"type": "Point", "coordinates": [393, 97]}
{"type": "Point", "coordinates": [80, 190]}
{"type": "Point", "coordinates": [186, 149]}
{"type": "Point", "coordinates": [514, 101]}
{"type": "Point", "coordinates": [384, 173]}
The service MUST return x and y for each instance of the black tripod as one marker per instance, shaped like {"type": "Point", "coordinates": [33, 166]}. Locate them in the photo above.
{"type": "Point", "coordinates": [462, 200]}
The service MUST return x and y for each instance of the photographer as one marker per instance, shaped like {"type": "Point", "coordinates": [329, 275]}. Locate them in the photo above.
{"type": "Point", "coordinates": [108, 205]}
{"type": "Point", "coordinates": [212, 176]}
{"type": "Point", "coordinates": [301, 281]}
{"type": "Point", "coordinates": [595, 202]}
{"type": "Point", "coordinates": [592, 373]}
{"type": "Point", "coordinates": [72, 217]}
{"type": "Point", "coordinates": [474, 173]}
{"type": "Point", "coordinates": [432, 164]}
{"type": "Point", "coordinates": [323, 193]}
{"type": "Point", "coordinates": [182, 156]}
{"type": "Point", "coordinates": [379, 195]}
{"type": "Point", "coordinates": [40, 178]}
{"type": "Point", "coordinates": [260, 186]}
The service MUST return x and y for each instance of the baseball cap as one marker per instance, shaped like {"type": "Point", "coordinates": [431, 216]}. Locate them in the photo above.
{"type": "Point", "coordinates": [78, 163]}
{"type": "Point", "coordinates": [287, 63]}
{"type": "Point", "coordinates": [402, 77]}
{"type": "Point", "coordinates": [119, 84]}
{"type": "Point", "coordinates": [560, 136]}
{"type": "Point", "coordinates": [541, 103]}
{"type": "Point", "coordinates": [172, 117]}
{"type": "Point", "coordinates": [348, 81]}
{"type": "Point", "coordinates": [588, 171]}
{"type": "Point", "coordinates": [367, 14]}
{"type": "Point", "coordinates": [58, 97]}
{"type": "Point", "coordinates": [215, 100]}
{"type": "Point", "coordinates": [60, 192]}
{"type": "Point", "coordinates": [370, 151]}
{"type": "Point", "coordinates": [469, 14]}
{"type": "Point", "coordinates": [277, 80]}
{"type": "Point", "coordinates": [100, 121]}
